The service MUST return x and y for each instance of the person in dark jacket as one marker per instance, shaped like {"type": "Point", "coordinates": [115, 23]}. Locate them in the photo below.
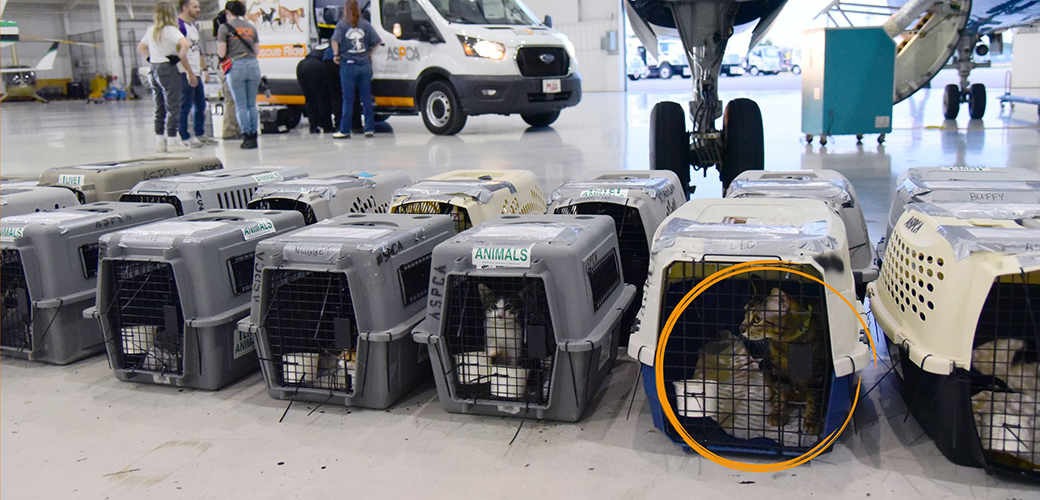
{"type": "Point", "coordinates": [314, 81]}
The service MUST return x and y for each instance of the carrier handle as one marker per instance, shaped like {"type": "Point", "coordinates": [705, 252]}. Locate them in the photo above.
{"type": "Point", "coordinates": [704, 257]}
{"type": "Point", "coordinates": [398, 332]}
{"type": "Point", "coordinates": [69, 299]}
{"type": "Point", "coordinates": [219, 319]}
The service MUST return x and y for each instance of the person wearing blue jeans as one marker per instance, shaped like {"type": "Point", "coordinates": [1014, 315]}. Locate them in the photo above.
{"type": "Point", "coordinates": [237, 41]}
{"type": "Point", "coordinates": [353, 44]}
{"type": "Point", "coordinates": [192, 97]}
{"type": "Point", "coordinates": [244, 80]}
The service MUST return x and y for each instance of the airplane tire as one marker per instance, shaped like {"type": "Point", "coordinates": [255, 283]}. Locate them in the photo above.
{"type": "Point", "coordinates": [669, 142]}
{"type": "Point", "coordinates": [951, 102]}
{"type": "Point", "coordinates": [977, 101]}
{"type": "Point", "coordinates": [743, 140]}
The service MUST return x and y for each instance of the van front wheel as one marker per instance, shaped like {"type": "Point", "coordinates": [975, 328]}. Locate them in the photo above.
{"type": "Point", "coordinates": [441, 110]}
{"type": "Point", "coordinates": [540, 119]}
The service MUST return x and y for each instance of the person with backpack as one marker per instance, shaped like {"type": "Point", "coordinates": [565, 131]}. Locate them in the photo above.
{"type": "Point", "coordinates": [237, 42]}
{"type": "Point", "coordinates": [193, 98]}
{"type": "Point", "coordinates": [166, 49]}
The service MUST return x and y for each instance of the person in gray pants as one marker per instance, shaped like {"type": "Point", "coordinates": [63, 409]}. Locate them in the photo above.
{"type": "Point", "coordinates": [166, 49]}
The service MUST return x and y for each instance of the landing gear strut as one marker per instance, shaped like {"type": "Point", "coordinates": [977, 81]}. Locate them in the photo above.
{"type": "Point", "coordinates": [972, 94]}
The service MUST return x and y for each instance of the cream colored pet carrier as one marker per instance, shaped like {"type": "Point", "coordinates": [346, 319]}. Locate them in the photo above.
{"type": "Point", "coordinates": [761, 362]}
{"type": "Point", "coordinates": [959, 302]}
{"type": "Point", "coordinates": [472, 196]}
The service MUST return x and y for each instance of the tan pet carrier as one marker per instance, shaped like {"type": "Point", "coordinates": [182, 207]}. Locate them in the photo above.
{"type": "Point", "coordinates": [472, 196]}
{"type": "Point", "coordinates": [108, 181]}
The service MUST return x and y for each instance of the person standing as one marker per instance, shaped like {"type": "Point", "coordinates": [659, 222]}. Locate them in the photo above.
{"type": "Point", "coordinates": [193, 98]}
{"type": "Point", "coordinates": [237, 42]}
{"type": "Point", "coordinates": [166, 49]}
{"type": "Point", "coordinates": [231, 130]}
{"type": "Point", "coordinates": [333, 86]}
{"type": "Point", "coordinates": [353, 43]}
{"type": "Point", "coordinates": [310, 73]}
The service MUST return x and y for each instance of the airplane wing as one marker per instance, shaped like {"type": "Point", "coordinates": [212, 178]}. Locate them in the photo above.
{"type": "Point", "coordinates": [643, 30]}
{"type": "Point", "coordinates": [762, 28]}
{"type": "Point", "coordinates": [45, 64]}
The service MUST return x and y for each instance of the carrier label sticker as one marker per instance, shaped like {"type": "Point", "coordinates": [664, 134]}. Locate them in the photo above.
{"type": "Point", "coordinates": [243, 344]}
{"type": "Point", "coordinates": [494, 257]}
{"type": "Point", "coordinates": [8, 233]}
{"type": "Point", "coordinates": [258, 228]}
{"type": "Point", "coordinates": [537, 232]}
{"type": "Point", "coordinates": [312, 252]}
{"type": "Point", "coordinates": [71, 180]}
{"type": "Point", "coordinates": [604, 193]}
{"type": "Point", "coordinates": [268, 178]}
{"type": "Point", "coordinates": [966, 169]}
{"type": "Point", "coordinates": [345, 232]}
{"type": "Point", "coordinates": [163, 234]}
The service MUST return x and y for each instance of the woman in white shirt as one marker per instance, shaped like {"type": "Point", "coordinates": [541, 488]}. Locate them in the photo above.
{"type": "Point", "coordinates": [165, 47]}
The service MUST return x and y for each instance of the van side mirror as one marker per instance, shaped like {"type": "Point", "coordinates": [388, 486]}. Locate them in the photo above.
{"type": "Point", "coordinates": [548, 21]}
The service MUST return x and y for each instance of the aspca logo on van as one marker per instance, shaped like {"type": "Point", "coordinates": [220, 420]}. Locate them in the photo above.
{"type": "Point", "coordinates": [402, 54]}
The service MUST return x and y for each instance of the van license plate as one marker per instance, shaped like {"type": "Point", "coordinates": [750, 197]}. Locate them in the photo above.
{"type": "Point", "coordinates": [551, 86]}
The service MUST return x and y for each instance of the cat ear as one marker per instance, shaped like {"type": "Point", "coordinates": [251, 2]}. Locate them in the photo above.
{"type": "Point", "coordinates": [486, 295]}
{"type": "Point", "coordinates": [784, 301]}
{"type": "Point", "coordinates": [758, 286]}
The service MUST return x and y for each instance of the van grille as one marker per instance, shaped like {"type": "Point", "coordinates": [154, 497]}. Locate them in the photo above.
{"type": "Point", "coordinates": [533, 65]}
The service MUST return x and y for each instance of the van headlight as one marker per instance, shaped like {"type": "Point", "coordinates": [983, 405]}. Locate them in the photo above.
{"type": "Point", "coordinates": [476, 47]}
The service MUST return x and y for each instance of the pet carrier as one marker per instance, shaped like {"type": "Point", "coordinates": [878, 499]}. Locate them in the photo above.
{"type": "Point", "coordinates": [761, 362]}
{"type": "Point", "coordinates": [108, 181]}
{"type": "Point", "coordinates": [320, 198]}
{"type": "Point", "coordinates": [638, 201]}
{"type": "Point", "coordinates": [524, 315]}
{"type": "Point", "coordinates": [959, 302]}
{"type": "Point", "coordinates": [17, 198]}
{"type": "Point", "coordinates": [334, 306]}
{"type": "Point", "coordinates": [471, 197]}
{"type": "Point", "coordinates": [171, 293]}
{"type": "Point", "coordinates": [827, 186]}
{"type": "Point", "coordinates": [982, 185]}
{"type": "Point", "coordinates": [225, 189]}
{"type": "Point", "coordinates": [49, 276]}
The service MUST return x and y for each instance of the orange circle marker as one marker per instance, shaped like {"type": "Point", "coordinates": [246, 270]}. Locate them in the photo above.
{"type": "Point", "coordinates": [747, 267]}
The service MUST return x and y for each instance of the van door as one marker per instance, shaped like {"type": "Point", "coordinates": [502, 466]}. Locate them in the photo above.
{"type": "Point", "coordinates": [284, 30]}
{"type": "Point", "coordinates": [404, 26]}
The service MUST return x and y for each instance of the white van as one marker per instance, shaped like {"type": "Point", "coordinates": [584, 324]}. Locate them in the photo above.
{"type": "Point", "coordinates": [671, 60]}
{"type": "Point", "coordinates": [443, 59]}
{"type": "Point", "coordinates": [764, 60]}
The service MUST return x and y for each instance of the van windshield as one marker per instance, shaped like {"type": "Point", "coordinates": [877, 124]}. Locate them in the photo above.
{"type": "Point", "coordinates": [484, 12]}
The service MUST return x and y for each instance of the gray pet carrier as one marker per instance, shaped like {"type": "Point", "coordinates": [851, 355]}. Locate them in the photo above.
{"type": "Point", "coordinates": [983, 185]}
{"type": "Point", "coordinates": [638, 201]}
{"type": "Point", "coordinates": [825, 185]}
{"type": "Point", "coordinates": [335, 303]}
{"type": "Point", "coordinates": [49, 276]}
{"type": "Point", "coordinates": [108, 181]}
{"type": "Point", "coordinates": [226, 189]}
{"type": "Point", "coordinates": [171, 293]}
{"type": "Point", "coordinates": [23, 197]}
{"type": "Point", "coordinates": [320, 198]}
{"type": "Point", "coordinates": [524, 315]}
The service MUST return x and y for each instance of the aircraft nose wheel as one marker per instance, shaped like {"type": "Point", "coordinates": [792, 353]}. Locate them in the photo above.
{"type": "Point", "coordinates": [951, 102]}
{"type": "Point", "coordinates": [669, 142]}
{"type": "Point", "coordinates": [977, 101]}
{"type": "Point", "coordinates": [743, 140]}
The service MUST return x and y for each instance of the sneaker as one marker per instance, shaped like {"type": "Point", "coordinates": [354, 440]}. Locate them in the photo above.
{"type": "Point", "coordinates": [249, 142]}
{"type": "Point", "coordinates": [369, 133]}
{"type": "Point", "coordinates": [174, 145]}
{"type": "Point", "coordinates": [160, 144]}
{"type": "Point", "coordinates": [340, 135]}
{"type": "Point", "coordinates": [207, 140]}
{"type": "Point", "coordinates": [193, 143]}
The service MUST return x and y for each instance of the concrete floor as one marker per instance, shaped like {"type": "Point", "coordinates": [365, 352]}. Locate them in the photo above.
{"type": "Point", "coordinates": [76, 432]}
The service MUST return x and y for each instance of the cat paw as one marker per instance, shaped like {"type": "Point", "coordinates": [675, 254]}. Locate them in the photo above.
{"type": "Point", "coordinates": [777, 419]}
{"type": "Point", "coordinates": [811, 427]}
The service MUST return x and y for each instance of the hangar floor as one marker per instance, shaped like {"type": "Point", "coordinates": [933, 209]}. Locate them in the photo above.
{"type": "Point", "coordinates": [76, 432]}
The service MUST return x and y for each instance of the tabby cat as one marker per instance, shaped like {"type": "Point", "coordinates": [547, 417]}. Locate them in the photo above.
{"type": "Point", "coordinates": [502, 326]}
{"type": "Point", "coordinates": [781, 323]}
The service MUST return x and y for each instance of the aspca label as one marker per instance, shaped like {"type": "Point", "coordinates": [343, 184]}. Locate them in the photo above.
{"type": "Point", "coordinates": [966, 169]}
{"type": "Point", "coordinates": [268, 178]}
{"type": "Point", "coordinates": [492, 257]}
{"type": "Point", "coordinates": [604, 193]}
{"type": "Point", "coordinates": [258, 228]}
{"type": "Point", "coordinates": [402, 54]}
{"type": "Point", "coordinates": [71, 180]}
{"type": "Point", "coordinates": [243, 344]}
{"type": "Point", "coordinates": [914, 224]}
{"type": "Point", "coordinates": [10, 233]}
{"type": "Point", "coordinates": [271, 51]}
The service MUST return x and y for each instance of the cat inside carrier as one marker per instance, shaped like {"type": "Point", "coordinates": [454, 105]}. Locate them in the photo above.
{"type": "Point", "coordinates": [504, 339]}
{"type": "Point", "coordinates": [959, 303]}
{"type": "Point", "coordinates": [761, 361]}
{"type": "Point", "coordinates": [320, 198]}
{"type": "Point", "coordinates": [329, 327]}
{"type": "Point", "coordinates": [471, 197]}
{"type": "Point", "coordinates": [638, 201]}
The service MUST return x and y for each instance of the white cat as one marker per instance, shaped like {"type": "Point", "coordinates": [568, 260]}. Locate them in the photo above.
{"type": "Point", "coordinates": [502, 326]}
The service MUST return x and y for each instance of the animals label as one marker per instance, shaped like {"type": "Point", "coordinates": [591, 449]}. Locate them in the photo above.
{"type": "Point", "coordinates": [243, 344]}
{"type": "Point", "coordinates": [71, 180]}
{"type": "Point", "coordinates": [506, 256]}
{"type": "Point", "coordinates": [10, 233]}
{"type": "Point", "coordinates": [345, 232]}
{"type": "Point", "coordinates": [604, 193]}
{"type": "Point", "coordinates": [966, 169]}
{"type": "Point", "coordinates": [268, 178]}
{"type": "Point", "coordinates": [258, 228]}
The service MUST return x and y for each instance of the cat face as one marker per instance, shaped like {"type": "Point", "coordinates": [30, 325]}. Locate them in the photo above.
{"type": "Point", "coordinates": [767, 317]}
{"type": "Point", "coordinates": [500, 306]}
